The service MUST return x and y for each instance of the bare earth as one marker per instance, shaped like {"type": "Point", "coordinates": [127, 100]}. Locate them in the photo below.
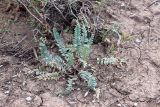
{"type": "Point", "coordinates": [137, 84]}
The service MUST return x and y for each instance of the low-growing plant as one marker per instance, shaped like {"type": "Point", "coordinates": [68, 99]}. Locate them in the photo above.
{"type": "Point", "coordinates": [113, 31]}
{"type": "Point", "coordinates": [110, 60]}
{"type": "Point", "coordinates": [72, 60]}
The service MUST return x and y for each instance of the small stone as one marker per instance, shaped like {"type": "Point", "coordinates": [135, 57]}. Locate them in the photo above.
{"type": "Point", "coordinates": [28, 99]}
{"type": "Point", "coordinates": [138, 40]}
{"type": "Point", "coordinates": [24, 83]}
{"type": "Point", "coordinates": [85, 95]}
{"type": "Point", "coordinates": [135, 104]}
{"type": "Point", "coordinates": [123, 5]}
{"type": "Point", "coordinates": [78, 89]}
{"type": "Point", "coordinates": [119, 105]}
{"type": "Point", "coordinates": [93, 101]}
{"type": "Point", "coordinates": [72, 102]}
{"type": "Point", "coordinates": [1, 66]}
{"type": "Point", "coordinates": [7, 92]}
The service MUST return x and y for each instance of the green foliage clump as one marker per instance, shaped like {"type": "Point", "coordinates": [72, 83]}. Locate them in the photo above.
{"type": "Point", "coordinates": [79, 52]}
{"type": "Point", "coordinates": [66, 52]}
{"type": "Point", "coordinates": [69, 87]}
{"type": "Point", "coordinates": [48, 58]}
{"type": "Point", "coordinates": [110, 60]}
{"type": "Point", "coordinates": [107, 61]}
{"type": "Point", "coordinates": [49, 76]}
{"type": "Point", "coordinates": [89, 78]}
{"type": "Point", "coordinates": [81, 42]}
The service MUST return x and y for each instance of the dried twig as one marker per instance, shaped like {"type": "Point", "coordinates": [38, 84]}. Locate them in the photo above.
{"type": "Point", "coordinates": [30, 12]}
{"type": "Point", "coordinates": [60, 12]}
{"type": "Point", "coordinates": [153, 3]}
{"type": "Point", "coordinates": [20, 41]}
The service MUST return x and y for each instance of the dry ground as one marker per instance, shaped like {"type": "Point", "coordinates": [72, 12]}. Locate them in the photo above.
{"type": "Point", "coordinates": [136, 84]}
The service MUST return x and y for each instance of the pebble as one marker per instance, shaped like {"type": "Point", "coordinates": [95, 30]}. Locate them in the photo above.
{"type": "Point", "coordinates": [123, 5]}
{"type": "Point", "coordinates": [135, 104]}
{"type": "Point", "coordinates": [138, 40]}
{"type": "Point", "coordinates": [28, 98]}
{"type": "Point", "coordinates": [7, 92]}
{"type": "Point", "coordinates": [1, 66]}
{"type": "Point", "coordinates": [119, 105]}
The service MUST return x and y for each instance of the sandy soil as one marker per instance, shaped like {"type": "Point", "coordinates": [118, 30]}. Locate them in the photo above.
{"type": "Point", "coordinates": [137, 84]}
